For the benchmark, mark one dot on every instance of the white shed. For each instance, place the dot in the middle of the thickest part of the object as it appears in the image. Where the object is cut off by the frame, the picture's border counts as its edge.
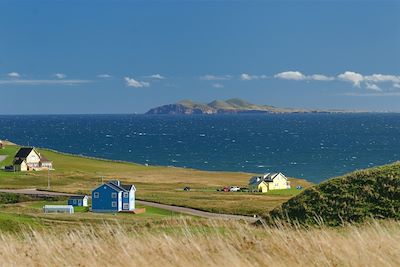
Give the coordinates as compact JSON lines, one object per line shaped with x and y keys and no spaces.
{"x":58,"y":209}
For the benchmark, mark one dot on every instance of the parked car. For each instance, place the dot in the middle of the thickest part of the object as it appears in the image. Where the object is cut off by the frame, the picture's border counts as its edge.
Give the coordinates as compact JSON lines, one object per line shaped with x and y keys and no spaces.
{"x":234,"y":189}
{"x":187,"y":188}
{"x":299,"y":187}
{"x":244,"y":189}
{"x":225,"y":189}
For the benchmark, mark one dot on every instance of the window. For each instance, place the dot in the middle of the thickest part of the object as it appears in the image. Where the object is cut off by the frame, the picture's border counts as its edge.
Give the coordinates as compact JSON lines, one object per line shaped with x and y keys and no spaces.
{"x":114,"y":204}
{"x":126,"y":206}
{"x":96,"y":195}
{"x":113,"y":195}
{"x":126,"y":194}
{"x":74,"y":201}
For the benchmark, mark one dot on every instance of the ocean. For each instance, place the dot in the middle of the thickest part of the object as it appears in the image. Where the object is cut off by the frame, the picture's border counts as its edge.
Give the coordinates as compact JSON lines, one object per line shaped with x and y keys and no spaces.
{"x":310,"y":146}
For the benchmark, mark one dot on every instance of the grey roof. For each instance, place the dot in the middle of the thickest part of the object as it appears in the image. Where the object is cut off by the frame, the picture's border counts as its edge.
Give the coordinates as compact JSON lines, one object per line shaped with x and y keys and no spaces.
{"x":18,"y":161}
{"x":77,"y":197}
{"x":23,"y":152}
{"x":119,"y":188}
{"x":127,"y":187}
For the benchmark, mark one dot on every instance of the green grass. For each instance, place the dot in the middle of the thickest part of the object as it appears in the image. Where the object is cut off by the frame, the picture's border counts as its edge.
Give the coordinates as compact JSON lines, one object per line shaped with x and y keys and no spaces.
{"x":355,"y":197}
{"x":76,"y":174}
{"x":17,"y":222}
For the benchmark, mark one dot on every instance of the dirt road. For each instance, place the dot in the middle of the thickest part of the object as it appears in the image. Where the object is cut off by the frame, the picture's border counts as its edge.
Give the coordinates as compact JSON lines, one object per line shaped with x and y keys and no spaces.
{"x":189,"y":211}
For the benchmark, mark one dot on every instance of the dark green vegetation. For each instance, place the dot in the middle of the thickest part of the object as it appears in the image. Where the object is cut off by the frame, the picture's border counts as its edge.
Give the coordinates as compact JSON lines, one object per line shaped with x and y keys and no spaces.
{"x":7,"y":198}
{"x":355,"y":197}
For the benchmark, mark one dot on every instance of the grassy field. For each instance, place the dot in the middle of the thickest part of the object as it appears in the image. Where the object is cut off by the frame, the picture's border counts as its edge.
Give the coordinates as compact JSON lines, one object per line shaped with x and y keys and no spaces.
{"x":154,"y":183}
{"x":188,"y":242}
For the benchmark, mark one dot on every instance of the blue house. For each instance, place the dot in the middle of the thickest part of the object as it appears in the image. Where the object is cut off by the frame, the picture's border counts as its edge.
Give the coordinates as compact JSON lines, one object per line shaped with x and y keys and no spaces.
{"x":80,"y":201}
{"x":113,"y":197}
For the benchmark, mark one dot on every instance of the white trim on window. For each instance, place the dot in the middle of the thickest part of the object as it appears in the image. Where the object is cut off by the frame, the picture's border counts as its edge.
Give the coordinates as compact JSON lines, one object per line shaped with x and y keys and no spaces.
{"x":96,"y":195}
{"x":114,"y":204}
{"x":126,"y":194}
{"x":114,"y":195}
{"x":125,"y":206}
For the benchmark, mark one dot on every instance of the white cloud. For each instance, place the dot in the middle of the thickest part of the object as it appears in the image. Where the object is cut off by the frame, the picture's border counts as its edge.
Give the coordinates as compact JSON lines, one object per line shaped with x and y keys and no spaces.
{"x":43,"y":82}
{"x":373,"y":87}
{"x":217,"y":85}
{"x":396,"y":85}
{"x":353,"y":77}
{"x":373,"y":94}
{"x":298,"y":76}
{"x":290,"y":75}
{"x":245,"y":77}
{"x":14,"y":74}
{"x":320,"y":77}
{"x":60,"y":75}
{"x":157,"y":76}
{"x":382,"y":78}
{"x":130,"y":82}
{"x":248,"y":77}
{"x":104,"y":76}
{"x":210,"y":77}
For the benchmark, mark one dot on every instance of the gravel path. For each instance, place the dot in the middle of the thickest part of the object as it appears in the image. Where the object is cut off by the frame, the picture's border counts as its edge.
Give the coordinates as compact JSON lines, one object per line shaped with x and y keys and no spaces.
{"x":183,"y":210}
{"x":195,"y":212}
{"x":2,"y":157}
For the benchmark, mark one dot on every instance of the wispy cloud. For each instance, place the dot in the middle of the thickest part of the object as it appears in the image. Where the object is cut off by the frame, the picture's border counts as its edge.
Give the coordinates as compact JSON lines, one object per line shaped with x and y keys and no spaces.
{"x":60,"y":75}
{"x":14,"y":74}
{"x":248,"y":77}
{"x":373,"y":87}
{"x":104,"y":76}
{"x":298,"y":76}
{"x":217,"y":85}
{"x":43,"y":82}
{"x":157,"y":76}
{"x":131,"y":82}
{"x":387,"y":94}
{"x":382,"y":78}
{"x":320,"y":77}
{"x":210,"y":77}
{"x":370,"y":80}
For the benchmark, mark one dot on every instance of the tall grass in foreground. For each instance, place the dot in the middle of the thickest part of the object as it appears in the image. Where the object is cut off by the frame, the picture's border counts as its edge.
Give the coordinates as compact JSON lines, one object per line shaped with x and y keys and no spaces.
{"x":217,"y":243}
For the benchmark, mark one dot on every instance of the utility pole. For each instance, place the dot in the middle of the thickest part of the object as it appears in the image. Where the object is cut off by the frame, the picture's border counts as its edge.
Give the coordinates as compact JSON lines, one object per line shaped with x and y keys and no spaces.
{"x":48,"y":179}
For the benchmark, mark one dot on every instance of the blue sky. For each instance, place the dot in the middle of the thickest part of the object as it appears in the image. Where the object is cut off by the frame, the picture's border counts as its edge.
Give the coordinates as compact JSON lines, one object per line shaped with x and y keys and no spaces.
{"x":128,"y":56}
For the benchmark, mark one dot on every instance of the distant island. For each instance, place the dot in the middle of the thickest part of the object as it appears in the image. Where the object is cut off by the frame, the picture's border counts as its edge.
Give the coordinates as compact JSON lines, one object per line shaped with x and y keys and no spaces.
{"x":230,"y":106}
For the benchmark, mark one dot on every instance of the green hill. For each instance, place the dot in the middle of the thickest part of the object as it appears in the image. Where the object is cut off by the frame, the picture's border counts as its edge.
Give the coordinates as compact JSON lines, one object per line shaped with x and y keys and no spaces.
{"x":355,"y":197}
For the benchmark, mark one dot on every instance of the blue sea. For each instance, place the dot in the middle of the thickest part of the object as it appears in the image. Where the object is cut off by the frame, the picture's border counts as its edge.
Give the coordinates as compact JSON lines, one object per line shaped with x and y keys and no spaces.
{"x":310,"y":146}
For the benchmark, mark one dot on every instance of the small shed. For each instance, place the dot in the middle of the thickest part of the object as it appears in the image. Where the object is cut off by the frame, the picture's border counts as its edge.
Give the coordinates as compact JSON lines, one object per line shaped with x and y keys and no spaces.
{"x":80,"y":201}
{"x":58,"y":209}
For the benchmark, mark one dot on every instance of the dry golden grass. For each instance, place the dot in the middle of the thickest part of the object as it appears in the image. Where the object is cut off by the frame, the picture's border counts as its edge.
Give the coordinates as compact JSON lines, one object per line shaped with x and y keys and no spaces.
{"x":196,"y":243}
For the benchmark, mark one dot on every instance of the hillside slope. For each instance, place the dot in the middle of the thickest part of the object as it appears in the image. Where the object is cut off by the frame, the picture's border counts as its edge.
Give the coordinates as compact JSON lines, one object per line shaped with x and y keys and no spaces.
{"x":370,"y":193}
{"x":230,"y":106}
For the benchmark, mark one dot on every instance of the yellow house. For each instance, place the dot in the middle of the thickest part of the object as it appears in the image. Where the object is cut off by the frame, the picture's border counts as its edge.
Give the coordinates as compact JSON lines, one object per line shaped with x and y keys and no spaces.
{"x":269,"y":181}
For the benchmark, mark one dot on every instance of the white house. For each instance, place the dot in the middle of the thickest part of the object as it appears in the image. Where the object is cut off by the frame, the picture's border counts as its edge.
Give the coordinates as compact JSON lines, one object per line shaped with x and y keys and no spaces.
{"x":28,"y":158}
{"x":268,"y":181}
